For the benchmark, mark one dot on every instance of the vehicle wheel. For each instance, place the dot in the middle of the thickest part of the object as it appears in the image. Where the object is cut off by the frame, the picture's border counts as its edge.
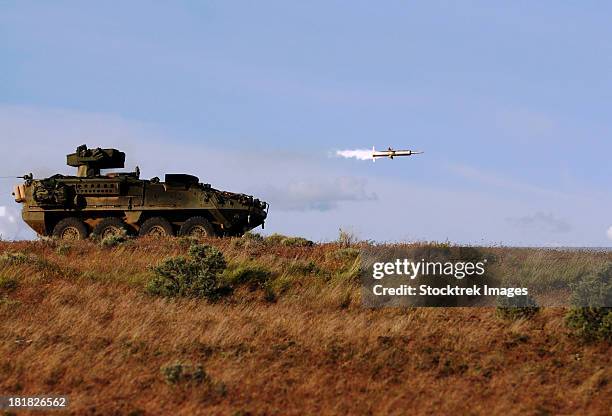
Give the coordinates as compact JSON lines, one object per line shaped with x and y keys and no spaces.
{"x":70,"y":229}
{"x":197,"y":227}
{"x":156,"y":227}
{"x":109,"y":226}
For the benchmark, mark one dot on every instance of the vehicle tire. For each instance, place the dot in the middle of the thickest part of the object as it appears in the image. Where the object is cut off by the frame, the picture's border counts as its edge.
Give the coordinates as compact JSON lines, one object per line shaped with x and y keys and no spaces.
{"x":197,"y":227}
{"x":70,"y":229}
{"x":109,"y":226}
{"x":156,"y":227}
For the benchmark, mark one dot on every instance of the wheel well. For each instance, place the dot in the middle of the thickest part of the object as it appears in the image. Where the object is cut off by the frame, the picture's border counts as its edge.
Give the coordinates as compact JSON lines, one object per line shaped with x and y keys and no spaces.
{"x":90,"y":220}
{"x":52,"y":218}
{"x":176,"y":218}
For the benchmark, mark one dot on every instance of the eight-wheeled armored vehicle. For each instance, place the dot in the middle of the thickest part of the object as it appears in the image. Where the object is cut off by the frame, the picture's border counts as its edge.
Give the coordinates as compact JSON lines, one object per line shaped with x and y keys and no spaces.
{"x":98,"y":205}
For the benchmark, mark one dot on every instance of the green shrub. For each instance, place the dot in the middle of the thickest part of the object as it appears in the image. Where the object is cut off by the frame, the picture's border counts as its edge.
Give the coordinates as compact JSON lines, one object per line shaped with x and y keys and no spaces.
{"x":248,"y":240}
{"x":196,"y":275}
{"x":591,"y":316}
{"x":269,"y":293}
{"x":16,"y":258}
{"x":8,"y":284}
{"x":63,"y":249}
{"x":186,"y":241}
{"x":591,"y":324}
{"x":256,"y":277}
{"x":593,"y":289}
{"x":350,"y":272}
{"x":237,"y":242}
{"x":114,"y":240}
{"x":43,"y":265}
{"x":296,"y":242}
{"x":178,"y":373}
{"x":283,"y":240}
{"x":297,"y":267}
{"x":274,"y":239}
{"x":518,"y":307}
{"x":253,"y":236}
{"x":8,"y":303}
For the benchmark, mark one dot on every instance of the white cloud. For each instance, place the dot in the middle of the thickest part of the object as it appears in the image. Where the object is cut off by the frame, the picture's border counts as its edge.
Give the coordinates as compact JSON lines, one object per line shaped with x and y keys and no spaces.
{"x":10,"y":226}
{"x":545,"y":222}
{"x":609,"y":233}
{"x":319,"y":195}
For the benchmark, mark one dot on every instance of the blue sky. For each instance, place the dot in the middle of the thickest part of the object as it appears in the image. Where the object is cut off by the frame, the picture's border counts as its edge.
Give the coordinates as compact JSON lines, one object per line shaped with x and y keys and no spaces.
{"x":510,"y":102}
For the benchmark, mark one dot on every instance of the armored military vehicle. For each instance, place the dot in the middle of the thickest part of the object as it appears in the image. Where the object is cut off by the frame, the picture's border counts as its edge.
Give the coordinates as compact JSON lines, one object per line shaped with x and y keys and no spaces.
{"x":96,"y":204}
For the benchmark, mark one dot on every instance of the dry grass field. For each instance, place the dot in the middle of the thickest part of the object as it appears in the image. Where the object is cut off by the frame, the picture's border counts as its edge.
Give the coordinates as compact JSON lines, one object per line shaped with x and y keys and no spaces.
{"x":76,"y":320}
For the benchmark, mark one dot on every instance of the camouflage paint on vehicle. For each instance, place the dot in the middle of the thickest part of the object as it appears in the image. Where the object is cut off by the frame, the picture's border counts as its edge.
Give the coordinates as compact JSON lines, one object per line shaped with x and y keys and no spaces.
{"x":74,"y":207}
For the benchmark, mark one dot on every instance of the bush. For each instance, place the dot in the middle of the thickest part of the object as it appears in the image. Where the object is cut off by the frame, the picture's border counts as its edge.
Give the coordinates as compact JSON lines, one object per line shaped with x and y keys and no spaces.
{"x":283,"y":240}
{"x":518,"y":307}
{"x":114,"y":240}
{"x":297,"y":267}
{"x":40,"y":264}
{"x":296,"y":242}
{"x":196,"y":275}
{"x":256,"y":277}
{"x":185,"y":242}
{"x":270,"y":294}
{"x":184,"y":373}
{"x":274,"y":239}
{"x":63,"y":249}
{"x":350,"y":272}
{"x":8,"y":284}
{"x":594,"y":289}
{"x":253,"y":237}
{"x":16,"y":258}
{"x":248,"y":240}
{"x":591,"y":316}
{"x":591,"y":324}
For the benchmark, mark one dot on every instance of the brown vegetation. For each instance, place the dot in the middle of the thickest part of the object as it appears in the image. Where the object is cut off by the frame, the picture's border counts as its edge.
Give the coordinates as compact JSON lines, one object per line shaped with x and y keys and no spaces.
{"x":77,"y":320}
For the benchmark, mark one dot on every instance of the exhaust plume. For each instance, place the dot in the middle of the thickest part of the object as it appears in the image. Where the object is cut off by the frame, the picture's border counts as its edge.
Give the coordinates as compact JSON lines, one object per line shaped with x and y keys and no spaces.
{"x":360,"y":154}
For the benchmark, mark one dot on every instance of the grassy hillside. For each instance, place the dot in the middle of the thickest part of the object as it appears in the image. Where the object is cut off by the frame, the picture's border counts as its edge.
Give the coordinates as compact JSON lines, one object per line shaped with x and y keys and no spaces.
{"x":293,"y":338}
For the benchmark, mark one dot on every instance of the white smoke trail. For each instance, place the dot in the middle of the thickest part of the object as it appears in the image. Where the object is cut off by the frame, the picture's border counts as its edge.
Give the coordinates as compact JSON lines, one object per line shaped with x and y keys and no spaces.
{"x":360,"y":154}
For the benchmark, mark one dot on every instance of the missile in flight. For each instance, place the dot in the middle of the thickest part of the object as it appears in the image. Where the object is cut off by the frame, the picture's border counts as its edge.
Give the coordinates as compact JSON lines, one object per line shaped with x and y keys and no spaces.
{"x":391,"y":153}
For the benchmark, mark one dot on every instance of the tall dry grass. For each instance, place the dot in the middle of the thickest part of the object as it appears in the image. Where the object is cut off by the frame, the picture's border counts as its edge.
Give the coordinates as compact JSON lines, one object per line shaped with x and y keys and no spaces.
{"x":78,"y":322}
